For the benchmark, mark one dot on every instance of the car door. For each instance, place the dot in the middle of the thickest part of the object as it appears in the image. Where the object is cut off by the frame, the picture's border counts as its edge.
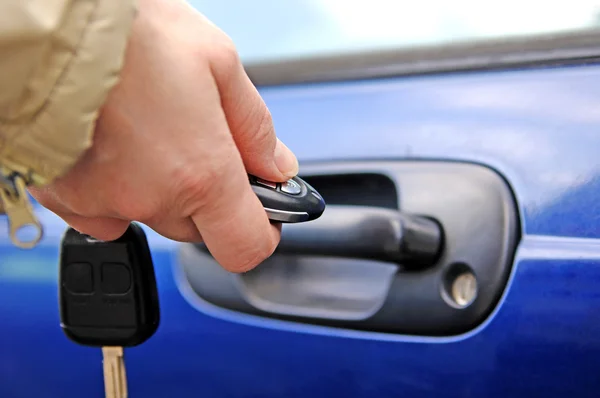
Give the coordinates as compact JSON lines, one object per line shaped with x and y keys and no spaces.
{"x":459,"y":254}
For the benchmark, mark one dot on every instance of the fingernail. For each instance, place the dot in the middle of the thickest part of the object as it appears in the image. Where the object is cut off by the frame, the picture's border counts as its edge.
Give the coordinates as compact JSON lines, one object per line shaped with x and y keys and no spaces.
{"x":285,"y":160}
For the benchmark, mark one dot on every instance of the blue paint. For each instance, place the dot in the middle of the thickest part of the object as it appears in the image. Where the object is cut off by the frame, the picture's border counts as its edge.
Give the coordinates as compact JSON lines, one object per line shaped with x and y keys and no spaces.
{"x":539,"y":128}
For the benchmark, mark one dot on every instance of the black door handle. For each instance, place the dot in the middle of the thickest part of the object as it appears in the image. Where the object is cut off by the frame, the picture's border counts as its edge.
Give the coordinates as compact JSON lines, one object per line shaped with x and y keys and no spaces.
{"x":411,"y":247}
{"x":364,"y":232}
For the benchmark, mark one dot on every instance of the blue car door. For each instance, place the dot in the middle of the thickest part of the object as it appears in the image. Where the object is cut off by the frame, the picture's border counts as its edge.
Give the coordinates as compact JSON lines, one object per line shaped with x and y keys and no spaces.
{"x":459,"y":254}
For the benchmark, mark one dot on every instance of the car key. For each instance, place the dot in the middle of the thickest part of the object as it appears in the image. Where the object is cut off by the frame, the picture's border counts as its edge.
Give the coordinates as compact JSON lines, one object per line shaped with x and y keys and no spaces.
{"x":292,"y":201}
{"x":108,"y":297}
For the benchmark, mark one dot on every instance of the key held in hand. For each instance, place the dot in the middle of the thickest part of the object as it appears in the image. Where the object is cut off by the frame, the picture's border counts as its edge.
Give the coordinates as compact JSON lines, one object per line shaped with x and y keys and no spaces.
{"x":107,"y":290}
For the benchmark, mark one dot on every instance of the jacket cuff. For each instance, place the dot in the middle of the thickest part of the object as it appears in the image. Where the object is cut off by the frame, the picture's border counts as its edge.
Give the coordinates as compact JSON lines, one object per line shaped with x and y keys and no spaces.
{"x":83,"y":64}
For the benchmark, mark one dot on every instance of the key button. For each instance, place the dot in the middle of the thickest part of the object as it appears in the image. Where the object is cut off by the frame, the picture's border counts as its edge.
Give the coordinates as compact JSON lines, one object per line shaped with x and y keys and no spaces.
{"x":78,"y":278}
{"x":266,"y":183}
{"x":116,"y":278}
{"x":291,"y":187}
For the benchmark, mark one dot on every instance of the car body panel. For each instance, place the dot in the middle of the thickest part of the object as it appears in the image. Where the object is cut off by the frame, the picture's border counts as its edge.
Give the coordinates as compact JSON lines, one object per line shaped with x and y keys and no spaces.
{"x":538,"y":127}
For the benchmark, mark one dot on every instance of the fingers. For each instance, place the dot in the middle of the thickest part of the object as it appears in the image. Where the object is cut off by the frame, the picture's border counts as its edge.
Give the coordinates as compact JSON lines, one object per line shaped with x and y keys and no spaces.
{"x":235,"y":229}
{"x":101,"y":228}
{"x":180,"y":230}
{"x":229,"y":216}
{"x":251,"y":124}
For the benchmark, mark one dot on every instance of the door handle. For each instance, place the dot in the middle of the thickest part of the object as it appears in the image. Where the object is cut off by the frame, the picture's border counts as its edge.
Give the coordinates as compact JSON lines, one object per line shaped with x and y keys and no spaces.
{"x":418,"y":247}
{"x":369,"y":233}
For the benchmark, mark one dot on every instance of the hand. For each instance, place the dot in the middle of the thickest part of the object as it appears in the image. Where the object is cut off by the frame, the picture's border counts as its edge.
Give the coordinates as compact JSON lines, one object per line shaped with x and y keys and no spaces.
{"x":174,"y":142}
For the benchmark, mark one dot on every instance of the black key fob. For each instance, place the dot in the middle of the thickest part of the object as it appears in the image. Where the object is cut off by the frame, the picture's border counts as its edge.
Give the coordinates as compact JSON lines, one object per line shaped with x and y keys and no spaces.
{"x":293,"y":201}
{"x":107,"y":290}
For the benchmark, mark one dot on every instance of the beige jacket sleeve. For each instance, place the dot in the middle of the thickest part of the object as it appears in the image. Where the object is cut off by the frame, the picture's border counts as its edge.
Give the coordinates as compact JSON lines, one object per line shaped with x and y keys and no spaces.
{"x":58,"y":61}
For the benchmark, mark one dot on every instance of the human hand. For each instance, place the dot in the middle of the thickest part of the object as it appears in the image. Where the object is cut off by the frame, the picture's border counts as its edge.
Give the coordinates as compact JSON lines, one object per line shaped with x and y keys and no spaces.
{"x":174,"y":143}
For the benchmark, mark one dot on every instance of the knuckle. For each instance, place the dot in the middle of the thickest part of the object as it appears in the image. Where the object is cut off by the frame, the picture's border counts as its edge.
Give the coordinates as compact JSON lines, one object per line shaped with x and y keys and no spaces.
{"x":257,"y":128}
{"x":265,"y":132}
{"x":225,"y":56}
{"x":229,"y":51}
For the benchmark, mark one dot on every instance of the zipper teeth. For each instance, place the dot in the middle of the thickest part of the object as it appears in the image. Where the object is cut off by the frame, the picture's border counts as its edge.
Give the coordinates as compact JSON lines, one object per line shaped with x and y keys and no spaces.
{"x":8,"y":187}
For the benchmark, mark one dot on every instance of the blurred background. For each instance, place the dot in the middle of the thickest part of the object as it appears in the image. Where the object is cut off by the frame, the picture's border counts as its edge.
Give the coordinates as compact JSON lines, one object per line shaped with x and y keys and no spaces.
{"x":273,"y":29}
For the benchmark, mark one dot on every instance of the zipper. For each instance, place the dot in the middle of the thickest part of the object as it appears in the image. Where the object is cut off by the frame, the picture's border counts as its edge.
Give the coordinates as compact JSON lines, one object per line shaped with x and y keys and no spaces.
{"x":17,"y":206}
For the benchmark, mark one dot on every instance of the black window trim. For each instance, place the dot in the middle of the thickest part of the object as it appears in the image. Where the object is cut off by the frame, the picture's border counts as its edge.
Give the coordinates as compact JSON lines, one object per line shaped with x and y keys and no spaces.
{"x":490,"y":54}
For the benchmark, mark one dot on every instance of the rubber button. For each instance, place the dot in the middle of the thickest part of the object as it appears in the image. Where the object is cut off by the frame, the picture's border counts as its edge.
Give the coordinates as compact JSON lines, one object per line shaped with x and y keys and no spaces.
{"x":116,"y":278}
{"x":291,"y":187}
{"x":79,"y":278}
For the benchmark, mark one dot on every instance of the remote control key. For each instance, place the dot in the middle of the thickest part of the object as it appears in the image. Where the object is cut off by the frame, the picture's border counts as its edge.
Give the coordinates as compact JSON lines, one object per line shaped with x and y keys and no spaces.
{"x":108,"y":297}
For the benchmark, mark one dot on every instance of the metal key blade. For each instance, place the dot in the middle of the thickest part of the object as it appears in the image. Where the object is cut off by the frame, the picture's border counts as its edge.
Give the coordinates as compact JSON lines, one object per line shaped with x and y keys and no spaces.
{"x":115,"y":380}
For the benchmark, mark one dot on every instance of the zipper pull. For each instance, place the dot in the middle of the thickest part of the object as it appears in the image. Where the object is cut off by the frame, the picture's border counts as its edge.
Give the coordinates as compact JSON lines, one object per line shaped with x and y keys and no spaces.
{"x":18,"y":209}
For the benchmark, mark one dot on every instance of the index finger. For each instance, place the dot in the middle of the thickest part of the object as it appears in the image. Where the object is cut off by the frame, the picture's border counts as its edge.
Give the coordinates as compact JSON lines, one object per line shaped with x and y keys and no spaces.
{"x":230,"y":218}
{"x":251,"y":124}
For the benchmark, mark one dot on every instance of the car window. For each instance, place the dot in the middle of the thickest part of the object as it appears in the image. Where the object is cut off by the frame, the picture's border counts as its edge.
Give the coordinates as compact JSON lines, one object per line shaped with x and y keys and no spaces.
{"x":282,"y":29}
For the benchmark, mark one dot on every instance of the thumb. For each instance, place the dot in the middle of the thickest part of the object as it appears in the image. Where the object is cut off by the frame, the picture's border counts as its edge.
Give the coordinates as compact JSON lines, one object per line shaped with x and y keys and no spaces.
{"x":251,"y":125}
